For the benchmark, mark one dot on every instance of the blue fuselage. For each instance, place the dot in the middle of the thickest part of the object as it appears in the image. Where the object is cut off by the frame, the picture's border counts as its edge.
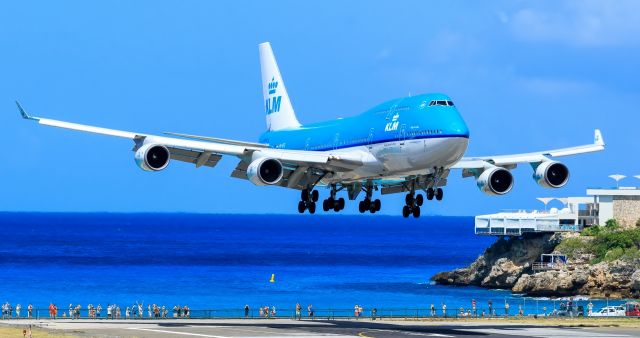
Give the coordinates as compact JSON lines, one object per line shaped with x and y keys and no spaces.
{"x":409,"y":118}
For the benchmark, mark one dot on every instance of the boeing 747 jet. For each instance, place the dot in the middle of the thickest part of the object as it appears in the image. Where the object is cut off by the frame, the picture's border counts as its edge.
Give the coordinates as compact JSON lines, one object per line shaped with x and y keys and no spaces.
{"x":407,"y":145}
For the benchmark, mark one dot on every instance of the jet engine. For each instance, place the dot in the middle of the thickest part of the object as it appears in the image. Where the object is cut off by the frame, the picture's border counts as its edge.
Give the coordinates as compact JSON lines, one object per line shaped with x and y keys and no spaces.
{"x":551,"y":174}
{"x":265,"y":171}
{"x":152,"y":157}
{"x":495,"y":181}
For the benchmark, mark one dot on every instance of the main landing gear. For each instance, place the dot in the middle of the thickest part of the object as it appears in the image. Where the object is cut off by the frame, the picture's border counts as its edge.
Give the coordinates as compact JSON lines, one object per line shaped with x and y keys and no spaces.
{"x":333,"y":203}
{"x":367,"y":204}
{"x":308,"y":197}
{"x":413,"y":202}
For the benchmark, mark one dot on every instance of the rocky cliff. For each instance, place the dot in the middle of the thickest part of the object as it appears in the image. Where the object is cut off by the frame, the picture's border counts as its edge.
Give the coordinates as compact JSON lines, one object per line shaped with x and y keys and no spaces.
{"x":507,"y":265}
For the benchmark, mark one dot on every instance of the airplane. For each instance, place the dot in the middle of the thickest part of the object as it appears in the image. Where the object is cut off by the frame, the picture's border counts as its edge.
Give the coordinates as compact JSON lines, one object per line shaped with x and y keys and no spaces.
{"x":405,"y":145}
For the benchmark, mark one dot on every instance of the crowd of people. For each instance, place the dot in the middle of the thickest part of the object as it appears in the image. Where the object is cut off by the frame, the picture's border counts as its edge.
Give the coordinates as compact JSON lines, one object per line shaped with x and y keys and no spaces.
{"x":270,"y":312}
{"x":113,"y":311}
{"x":7,"y":311}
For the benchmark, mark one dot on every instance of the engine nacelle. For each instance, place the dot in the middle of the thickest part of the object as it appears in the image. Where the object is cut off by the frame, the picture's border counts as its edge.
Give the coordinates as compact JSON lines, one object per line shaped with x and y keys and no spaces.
{"x":152,"y":157}
{"x":265,"y":171}
{"x":551,"y":174}
{"x":495,"y":181}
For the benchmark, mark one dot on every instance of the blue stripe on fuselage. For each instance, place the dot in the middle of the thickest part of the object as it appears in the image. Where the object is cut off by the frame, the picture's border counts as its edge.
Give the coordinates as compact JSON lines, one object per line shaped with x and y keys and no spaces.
{"x":406,"y":118}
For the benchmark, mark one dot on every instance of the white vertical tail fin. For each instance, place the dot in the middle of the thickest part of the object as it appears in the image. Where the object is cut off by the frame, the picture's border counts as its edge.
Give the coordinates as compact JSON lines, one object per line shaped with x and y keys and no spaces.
{"x":280,"y":114}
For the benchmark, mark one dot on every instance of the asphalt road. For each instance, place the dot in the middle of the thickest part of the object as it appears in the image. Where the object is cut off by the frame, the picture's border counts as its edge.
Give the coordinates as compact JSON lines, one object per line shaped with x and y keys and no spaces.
{"x":337,"y":328}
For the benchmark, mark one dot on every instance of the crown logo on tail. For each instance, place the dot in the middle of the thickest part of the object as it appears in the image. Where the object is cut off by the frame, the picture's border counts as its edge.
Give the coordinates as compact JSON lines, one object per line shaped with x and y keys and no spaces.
{"x":273,"y":85}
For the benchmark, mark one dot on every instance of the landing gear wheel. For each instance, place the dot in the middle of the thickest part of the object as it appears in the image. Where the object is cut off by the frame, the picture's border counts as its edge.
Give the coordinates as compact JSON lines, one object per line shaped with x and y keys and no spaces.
{"x":409,"y":199}
{"x":416,"y":212}
{"x":439,"y":194}
{"x":325,"y":205}
{"x":315,"y":195}
{"x":304,"y":195}
{"x":361,"y":207}
{"x":430,"y":194}
{"x":377,"y":204}
{"x":373,"y":209}
{"x":367,"y":204}
{"x":312,"y":207}
{"x":301,"y":207}
{"x":340,"y":202}
{"x":406,"y":211}
{"x":419,"y":200}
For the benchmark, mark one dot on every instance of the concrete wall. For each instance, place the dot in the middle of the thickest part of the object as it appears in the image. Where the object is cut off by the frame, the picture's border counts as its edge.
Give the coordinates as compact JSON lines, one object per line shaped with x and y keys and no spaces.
{"x":605,"y":207}
{"x":626,"y":209}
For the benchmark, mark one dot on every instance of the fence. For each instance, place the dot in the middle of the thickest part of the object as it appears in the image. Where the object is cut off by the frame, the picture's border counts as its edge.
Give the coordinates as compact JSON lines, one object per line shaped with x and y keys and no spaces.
{"x":318,"y":314}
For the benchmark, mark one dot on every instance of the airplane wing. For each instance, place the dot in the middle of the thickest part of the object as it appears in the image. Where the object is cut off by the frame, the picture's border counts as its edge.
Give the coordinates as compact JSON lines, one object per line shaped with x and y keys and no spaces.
{"x":511,"y":161}
{"x":301,"y":167}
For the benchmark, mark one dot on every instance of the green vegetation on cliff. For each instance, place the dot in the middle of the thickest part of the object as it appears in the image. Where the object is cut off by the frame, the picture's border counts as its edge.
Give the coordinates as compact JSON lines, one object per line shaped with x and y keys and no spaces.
{"x":607,"y":243}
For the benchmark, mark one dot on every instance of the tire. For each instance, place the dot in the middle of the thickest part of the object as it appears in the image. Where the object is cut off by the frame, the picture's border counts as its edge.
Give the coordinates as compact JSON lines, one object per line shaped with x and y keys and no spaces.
{"x":331,"y":203}
{"x":315,"y":195}
{"x":372,"y":210}
{"x":430,"y":194}
{"x":367,"y":204}
{"x":301,"y":207}
{"x":419,"y":200}
{"x":439,"y":194}
{"x":325,"y":205}
{"x":377,"y":204}
{"x":406,"y":211}
{"x":304,"y":195}
{"x":408,"y":199}
{"x":341,"y":203}
{"x":416,"y":212}
{"x":361,"y":207}
{"x":312,"y":207}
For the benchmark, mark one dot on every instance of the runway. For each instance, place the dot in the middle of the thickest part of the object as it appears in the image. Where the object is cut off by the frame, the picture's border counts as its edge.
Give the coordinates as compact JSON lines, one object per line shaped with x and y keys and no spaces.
{"x":336,"y":328}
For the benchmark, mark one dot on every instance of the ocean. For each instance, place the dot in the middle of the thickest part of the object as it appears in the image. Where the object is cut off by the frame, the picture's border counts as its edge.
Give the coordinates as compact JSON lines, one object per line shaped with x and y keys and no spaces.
{"x":222,"y":262}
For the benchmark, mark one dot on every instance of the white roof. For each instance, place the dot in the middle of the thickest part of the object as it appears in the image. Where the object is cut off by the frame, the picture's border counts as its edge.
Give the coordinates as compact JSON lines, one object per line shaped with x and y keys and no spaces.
{"x":627,"y":191}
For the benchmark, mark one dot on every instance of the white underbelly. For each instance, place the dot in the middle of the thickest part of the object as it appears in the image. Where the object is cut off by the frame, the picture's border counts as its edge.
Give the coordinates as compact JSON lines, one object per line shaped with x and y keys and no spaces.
{"x":410,"y":157}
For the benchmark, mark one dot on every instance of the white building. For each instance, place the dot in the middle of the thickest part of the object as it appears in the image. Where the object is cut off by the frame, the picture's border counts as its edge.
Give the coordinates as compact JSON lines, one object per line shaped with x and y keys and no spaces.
{"x":621,"y":203}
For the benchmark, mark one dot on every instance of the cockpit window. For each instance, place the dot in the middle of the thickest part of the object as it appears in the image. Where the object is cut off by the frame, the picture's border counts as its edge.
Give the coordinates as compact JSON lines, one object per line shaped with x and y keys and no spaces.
{"x":441,"y":103}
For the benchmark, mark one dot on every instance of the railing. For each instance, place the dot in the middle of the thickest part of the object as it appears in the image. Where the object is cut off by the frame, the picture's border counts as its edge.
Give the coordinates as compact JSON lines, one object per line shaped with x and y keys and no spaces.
{"x":319,"y":314}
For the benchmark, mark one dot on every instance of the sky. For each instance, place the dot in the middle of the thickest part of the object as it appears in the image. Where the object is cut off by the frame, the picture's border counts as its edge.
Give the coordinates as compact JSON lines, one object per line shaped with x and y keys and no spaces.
{"x":525,"y":76}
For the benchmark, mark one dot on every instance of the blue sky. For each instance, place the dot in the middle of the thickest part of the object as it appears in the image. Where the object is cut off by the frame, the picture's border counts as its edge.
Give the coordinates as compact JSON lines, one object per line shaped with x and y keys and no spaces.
{"x":525,"y":75}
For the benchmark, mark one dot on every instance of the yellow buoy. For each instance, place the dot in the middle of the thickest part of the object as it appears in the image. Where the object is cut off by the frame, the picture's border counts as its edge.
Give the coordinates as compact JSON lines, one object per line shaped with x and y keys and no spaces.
{"x":273,"y":278}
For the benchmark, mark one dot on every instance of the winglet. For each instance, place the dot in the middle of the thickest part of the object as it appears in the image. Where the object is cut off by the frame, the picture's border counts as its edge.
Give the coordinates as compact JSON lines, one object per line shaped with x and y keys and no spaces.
{"x":597,"y":138}
{"x":24,"y":113}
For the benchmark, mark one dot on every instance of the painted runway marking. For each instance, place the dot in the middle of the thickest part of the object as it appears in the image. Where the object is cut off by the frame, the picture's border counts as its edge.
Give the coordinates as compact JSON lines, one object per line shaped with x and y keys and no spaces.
{"x":178,"y":333}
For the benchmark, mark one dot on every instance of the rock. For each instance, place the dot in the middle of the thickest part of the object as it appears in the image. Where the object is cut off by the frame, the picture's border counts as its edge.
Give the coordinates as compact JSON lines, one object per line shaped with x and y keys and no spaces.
{"x":507,"y":265}
{"x":503,"y":262}
{"x":635,"y":281}
{"x":504,"y":274}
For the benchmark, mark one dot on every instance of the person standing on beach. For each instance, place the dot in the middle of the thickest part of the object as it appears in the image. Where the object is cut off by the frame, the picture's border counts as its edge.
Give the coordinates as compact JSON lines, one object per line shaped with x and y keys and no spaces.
{"x":140,"y":312}
{"x":490,"y":308}
{"x":474,"y":308}
{"x":30,"y":311}
{"x":506,"y":308}
{"x":310,"y":310}
{"x":18,"y":308}
{"x":433,"y":310}
{"x":298,"y":311}
{"x":246,"y":311}
{"x":98,"y":310}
